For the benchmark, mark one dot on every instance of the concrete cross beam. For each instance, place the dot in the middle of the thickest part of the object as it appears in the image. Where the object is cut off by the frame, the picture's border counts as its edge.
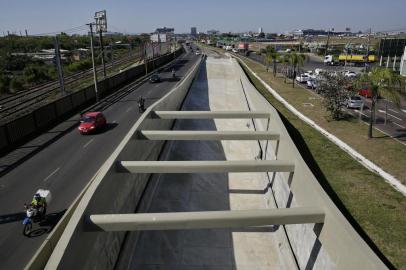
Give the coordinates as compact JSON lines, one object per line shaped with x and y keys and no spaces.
{"x":207,"y":219}
{"x":218,"y":166}
{"x":210,"y":114}
{"x":206,"y":135}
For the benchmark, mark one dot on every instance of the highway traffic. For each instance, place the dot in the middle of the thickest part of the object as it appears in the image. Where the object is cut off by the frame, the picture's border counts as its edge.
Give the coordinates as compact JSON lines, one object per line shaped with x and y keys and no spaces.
{"x":66,"y":166}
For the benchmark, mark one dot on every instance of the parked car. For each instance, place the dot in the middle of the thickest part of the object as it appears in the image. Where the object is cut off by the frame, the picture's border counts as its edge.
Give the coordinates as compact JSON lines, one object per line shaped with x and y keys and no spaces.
{"x":312,"y":83}
{"x":91,"y":122}
{"x":350,"y":74}
{"x":354,"y":102}
{"x":365,"y":90}
{"x":302,"y":78}
{"x":155,"y":78}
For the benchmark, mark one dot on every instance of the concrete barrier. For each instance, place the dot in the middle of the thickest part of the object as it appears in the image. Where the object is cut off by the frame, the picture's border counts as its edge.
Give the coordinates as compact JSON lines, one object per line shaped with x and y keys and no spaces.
{"x":332,"y":245}
{"x":100,"y":250}
{"x":21,"y":128}
{"x":45,"y":115}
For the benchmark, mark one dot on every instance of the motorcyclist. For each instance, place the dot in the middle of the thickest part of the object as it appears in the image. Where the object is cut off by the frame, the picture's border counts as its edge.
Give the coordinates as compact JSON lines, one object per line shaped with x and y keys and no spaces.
{"x":39,"y":203}
{"x":141,"y":104}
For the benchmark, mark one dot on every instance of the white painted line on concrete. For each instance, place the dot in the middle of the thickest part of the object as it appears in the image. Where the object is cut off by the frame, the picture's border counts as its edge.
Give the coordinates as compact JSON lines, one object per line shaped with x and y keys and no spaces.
{"x":398,"y":125}
{"x":382,"y":111}
{"x":390,"y":179}
{"x":89,"y":142}
{"x":49,"y":176}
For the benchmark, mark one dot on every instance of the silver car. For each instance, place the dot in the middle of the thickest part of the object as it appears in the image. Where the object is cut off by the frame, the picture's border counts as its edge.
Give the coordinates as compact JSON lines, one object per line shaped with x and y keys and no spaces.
{"x":355,"y":102}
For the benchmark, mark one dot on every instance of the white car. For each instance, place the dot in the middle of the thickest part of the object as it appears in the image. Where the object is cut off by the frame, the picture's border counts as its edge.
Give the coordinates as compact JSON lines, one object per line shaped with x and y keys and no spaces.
{"x":302,"y":78}
{"x":235,"y":50}
{"x":354,"y":102}
{"x":311,"y":83}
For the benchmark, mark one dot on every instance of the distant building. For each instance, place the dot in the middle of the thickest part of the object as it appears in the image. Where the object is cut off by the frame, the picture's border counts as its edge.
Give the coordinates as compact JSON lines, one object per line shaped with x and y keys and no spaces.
{"x":213,"y":32}
{"x":160,"y":37}
{"x":165,"y":30}
{"x":260,"y":30}
{"x":403,"y":64}
{"x":193,"y":31}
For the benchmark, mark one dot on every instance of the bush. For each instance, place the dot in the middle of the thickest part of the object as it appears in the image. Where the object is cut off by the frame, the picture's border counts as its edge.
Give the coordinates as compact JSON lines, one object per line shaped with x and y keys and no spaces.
{"x":16,"y":84}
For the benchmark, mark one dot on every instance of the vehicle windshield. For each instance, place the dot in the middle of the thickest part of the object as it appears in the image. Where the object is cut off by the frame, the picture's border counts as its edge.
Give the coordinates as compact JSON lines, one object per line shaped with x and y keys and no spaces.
{"x":88,"y":119}
{"x":356,"y":98}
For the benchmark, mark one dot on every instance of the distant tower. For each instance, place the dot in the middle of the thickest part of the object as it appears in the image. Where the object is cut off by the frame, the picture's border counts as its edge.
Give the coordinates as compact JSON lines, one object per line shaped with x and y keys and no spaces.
{"x":260,"y":30}
{"x":193,"y":31}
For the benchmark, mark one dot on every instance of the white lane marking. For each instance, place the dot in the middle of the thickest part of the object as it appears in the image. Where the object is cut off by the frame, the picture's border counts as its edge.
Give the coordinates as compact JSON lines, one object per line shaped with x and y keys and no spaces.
{"x":393,"y":111}
{"x":89,"y":142}
{"x":382,"y":111}
{"x":398,"y":125}
{"x":49,"y":176}
{"x":129,"y":109}
{"x":403,"y":111}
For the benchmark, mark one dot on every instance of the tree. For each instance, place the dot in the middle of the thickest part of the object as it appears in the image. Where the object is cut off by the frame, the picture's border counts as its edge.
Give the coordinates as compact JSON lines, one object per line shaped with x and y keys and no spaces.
{"x":272,"y":56}
{"x":384,"y":83}
{"x":295,"y":61}
{"x":16,"y":84}
{"x":334,"y":92}
{"x":285,"y":61}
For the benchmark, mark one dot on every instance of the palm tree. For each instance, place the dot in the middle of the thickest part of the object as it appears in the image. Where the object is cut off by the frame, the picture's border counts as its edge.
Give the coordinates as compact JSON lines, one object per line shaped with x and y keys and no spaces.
{"x":382,"y":82}
{"x":285,"y":60}
{"x":296,"y":60}
{"x":272,"y":56}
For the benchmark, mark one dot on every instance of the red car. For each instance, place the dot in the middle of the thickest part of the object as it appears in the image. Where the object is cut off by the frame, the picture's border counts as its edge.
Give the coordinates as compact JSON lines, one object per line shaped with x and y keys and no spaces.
{"x":91,"y":122}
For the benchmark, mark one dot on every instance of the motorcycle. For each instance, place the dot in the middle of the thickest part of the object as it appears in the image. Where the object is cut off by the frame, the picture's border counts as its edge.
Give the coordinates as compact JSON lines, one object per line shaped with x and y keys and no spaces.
{"x":33,"y":215}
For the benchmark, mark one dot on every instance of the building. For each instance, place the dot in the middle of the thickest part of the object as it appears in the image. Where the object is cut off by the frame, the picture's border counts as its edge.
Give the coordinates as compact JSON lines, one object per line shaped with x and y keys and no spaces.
{"x":193,"y":31}
{"x":156,"y":37}
{"x":165,"y":30}
{"x":260,"y":30}
{"x":213,"y":32}
{"x":403,"y":64}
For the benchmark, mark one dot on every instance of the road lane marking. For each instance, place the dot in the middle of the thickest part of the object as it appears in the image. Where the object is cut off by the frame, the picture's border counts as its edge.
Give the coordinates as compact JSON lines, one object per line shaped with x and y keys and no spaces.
{"x":398,"y":125}
{"x":403,"y":111}
{"x":382,"y":111}
{"x":89,"y":142}
{"x":49,"y":176}
{"x":129,"y":109}
{"x":393,"y":111}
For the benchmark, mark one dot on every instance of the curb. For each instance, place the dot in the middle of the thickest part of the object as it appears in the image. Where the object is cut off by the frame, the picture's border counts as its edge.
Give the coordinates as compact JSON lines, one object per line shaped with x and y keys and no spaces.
{"x":390,"y":179}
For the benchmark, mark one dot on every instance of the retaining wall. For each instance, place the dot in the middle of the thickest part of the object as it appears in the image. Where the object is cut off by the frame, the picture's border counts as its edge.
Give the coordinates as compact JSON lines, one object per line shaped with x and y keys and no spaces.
{"x":114,"y":192}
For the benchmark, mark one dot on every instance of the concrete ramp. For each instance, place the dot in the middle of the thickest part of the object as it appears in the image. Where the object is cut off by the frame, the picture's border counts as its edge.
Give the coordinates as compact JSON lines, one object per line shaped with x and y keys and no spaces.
{"x":209,"y":179}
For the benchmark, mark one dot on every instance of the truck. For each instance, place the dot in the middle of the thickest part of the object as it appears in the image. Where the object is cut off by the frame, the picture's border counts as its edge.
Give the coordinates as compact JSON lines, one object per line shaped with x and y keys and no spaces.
{"x":354,"y":59}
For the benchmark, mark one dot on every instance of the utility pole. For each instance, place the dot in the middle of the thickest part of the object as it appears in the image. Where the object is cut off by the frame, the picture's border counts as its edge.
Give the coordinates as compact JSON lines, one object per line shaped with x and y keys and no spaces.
{"x":59,"y":66}
{"x":102,"y":52}
{"x":101,"y":26}
{"x":26,"y":33}
{"x":367,"y":56}
{"x":94,"y":67}
{"x":328,"y":39}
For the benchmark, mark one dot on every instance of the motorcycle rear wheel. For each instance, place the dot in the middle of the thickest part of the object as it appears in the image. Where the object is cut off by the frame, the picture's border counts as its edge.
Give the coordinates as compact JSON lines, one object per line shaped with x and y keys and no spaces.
{"x":27,"y":229}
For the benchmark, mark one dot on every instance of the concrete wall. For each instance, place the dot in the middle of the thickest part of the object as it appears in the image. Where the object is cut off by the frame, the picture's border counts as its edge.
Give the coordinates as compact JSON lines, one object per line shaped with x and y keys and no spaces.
{"x":334,"y":245}
{"x":114,"y":192}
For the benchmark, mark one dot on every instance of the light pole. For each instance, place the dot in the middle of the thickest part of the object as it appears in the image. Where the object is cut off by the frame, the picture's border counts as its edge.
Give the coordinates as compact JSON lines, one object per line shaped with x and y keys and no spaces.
{"x":93,"y":63}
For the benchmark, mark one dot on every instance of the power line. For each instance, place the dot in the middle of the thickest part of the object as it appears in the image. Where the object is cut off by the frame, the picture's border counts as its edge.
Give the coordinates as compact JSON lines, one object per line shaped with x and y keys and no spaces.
{"x":70,"y":30}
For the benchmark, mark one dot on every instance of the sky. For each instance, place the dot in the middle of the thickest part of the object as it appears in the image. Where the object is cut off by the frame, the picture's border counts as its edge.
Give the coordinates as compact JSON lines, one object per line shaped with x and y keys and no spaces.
{"x":134,"y":16}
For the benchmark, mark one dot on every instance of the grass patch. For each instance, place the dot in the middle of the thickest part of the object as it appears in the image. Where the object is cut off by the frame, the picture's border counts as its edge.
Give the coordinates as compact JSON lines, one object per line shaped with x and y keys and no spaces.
{"x":375,"y":209}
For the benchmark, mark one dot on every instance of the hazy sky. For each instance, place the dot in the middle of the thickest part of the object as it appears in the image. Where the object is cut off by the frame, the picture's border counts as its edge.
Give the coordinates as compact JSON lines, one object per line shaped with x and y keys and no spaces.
{"x":43,"y":16}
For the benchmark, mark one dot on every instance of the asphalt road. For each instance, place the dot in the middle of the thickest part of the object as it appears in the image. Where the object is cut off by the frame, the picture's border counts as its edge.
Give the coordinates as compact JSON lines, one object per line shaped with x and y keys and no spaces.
{"x":395,"y":125}
{"x":65,"y":167}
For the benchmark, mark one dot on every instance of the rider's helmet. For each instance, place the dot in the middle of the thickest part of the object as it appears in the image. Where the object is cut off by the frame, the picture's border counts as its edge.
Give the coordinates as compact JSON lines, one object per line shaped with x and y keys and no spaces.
{"x":37,"y":196}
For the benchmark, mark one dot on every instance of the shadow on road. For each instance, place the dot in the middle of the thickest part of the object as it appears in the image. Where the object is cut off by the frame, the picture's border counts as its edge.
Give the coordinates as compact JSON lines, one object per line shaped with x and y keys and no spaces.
{"x":8,"y":218}
{"x":47,"y":224}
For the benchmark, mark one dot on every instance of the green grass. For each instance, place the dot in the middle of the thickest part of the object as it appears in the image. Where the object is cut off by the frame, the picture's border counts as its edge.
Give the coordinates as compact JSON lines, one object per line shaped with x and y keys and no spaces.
{"x":375,"y":209}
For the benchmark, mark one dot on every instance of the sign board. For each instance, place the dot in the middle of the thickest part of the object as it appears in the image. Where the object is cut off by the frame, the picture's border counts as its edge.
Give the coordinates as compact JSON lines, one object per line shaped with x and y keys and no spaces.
{"x":101,"y":21}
